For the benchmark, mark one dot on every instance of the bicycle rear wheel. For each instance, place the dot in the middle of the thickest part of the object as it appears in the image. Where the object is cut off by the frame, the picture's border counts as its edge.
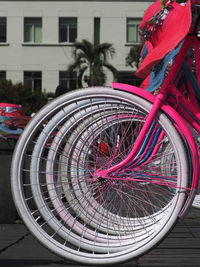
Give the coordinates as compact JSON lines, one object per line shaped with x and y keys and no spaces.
{"x":98,"y":220}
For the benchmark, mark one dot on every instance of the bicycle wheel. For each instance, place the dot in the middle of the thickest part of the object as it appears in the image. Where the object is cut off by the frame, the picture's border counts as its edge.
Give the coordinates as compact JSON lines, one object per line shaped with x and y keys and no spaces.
{"x":98,"y":220}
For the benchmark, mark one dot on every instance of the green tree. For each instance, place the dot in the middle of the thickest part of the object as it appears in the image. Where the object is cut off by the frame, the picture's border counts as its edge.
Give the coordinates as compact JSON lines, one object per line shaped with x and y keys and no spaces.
{"x":133,"y":57}
{"x":20,"y":94}
{"x":90,"y":62}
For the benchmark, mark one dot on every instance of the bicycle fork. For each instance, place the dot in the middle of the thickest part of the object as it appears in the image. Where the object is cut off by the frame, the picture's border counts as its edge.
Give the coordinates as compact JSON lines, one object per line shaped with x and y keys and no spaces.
{"x":160,"y":98}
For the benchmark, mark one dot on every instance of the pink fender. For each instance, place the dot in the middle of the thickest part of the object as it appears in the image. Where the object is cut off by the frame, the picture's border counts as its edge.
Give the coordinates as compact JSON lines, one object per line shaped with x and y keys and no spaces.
{"x":181,"y":126}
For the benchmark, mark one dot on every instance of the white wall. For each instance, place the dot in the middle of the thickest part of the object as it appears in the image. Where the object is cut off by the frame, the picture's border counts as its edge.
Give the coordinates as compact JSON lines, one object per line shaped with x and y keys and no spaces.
{"x":50,"y":57}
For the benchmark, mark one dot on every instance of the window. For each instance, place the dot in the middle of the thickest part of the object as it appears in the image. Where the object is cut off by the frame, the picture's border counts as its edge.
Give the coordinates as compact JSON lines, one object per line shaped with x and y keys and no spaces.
{"x":33,"y":79}
{"x":33,"y":30}
{"x":2,"y":75}
{"x":96,"y":31}
{"x":67,"y":30}
{"x":132,"y":30}
{"x":68,"y":81}
{"x":3,"y":37}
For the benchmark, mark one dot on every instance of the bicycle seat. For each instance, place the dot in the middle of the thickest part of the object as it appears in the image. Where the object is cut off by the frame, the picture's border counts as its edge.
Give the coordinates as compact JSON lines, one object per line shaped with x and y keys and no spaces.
{"x":163,"y":27}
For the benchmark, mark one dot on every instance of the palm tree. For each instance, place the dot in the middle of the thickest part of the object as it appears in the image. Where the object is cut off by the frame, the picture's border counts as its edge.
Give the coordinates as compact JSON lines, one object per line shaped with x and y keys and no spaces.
{"x":90,"y":62}
{"x":133,"y":56}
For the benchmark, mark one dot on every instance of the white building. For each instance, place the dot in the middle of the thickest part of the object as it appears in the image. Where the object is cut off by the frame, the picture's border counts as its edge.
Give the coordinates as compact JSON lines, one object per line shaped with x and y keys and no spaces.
{"x":36,"y":37}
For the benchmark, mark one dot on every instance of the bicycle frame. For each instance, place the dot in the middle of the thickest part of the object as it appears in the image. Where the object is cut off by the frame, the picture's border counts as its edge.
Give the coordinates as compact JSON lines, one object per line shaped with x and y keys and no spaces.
{"x":101,"y":175}
{"x":177,"y":109}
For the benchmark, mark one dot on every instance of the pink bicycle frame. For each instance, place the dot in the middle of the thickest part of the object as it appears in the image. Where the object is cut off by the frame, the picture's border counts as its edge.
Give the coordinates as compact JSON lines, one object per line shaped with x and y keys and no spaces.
{"x":176,"y":116}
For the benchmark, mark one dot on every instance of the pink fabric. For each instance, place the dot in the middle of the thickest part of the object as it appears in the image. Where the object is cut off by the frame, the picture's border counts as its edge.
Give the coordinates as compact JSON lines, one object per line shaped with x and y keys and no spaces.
{"x":167,"y":36}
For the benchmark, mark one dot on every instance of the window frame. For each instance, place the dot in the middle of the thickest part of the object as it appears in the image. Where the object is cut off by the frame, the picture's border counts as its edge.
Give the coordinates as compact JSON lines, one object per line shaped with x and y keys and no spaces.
{"x":3,"y":75}
{"x":68,"y":27}
{"x":33,"y":79}
{"x":131,"y":25}
{"x":4,"y":24}
{"x":33,"y":28}
{"x":67,"y":80}
{"x":97,"y":30}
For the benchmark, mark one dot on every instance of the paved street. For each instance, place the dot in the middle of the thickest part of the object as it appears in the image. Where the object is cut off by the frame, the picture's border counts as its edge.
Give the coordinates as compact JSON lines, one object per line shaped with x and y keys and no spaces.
{"x":180,"y":248}
{"x":19,"y":249}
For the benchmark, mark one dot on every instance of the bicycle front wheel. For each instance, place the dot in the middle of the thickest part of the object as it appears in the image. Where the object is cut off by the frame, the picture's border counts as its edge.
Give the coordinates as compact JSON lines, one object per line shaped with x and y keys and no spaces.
{"x":98,"y":220}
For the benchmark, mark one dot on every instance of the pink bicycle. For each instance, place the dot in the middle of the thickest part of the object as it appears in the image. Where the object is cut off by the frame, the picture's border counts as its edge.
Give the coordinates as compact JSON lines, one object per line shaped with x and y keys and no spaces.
{"x":101,"y":175}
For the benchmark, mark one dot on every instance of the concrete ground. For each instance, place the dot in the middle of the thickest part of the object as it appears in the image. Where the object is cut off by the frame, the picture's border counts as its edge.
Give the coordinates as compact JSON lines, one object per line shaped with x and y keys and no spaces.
{"x":180,"y":248}
{"x":19,"y":248}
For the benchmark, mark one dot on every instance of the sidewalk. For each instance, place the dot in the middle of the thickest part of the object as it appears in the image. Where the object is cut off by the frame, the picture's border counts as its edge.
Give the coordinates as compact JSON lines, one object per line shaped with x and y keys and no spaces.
{"x":180,"y":248}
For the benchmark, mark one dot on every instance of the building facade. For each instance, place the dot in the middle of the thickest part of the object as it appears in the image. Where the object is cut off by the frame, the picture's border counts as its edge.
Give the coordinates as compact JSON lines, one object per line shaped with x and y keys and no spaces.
{"x":37,"y":37}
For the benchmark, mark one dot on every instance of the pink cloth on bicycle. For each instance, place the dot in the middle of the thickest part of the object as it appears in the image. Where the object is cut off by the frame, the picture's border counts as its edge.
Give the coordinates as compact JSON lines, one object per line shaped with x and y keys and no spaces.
{"x":167,"y":36}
